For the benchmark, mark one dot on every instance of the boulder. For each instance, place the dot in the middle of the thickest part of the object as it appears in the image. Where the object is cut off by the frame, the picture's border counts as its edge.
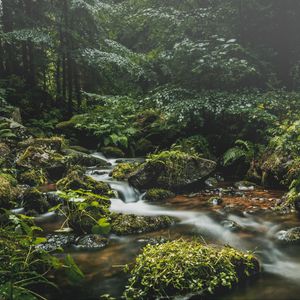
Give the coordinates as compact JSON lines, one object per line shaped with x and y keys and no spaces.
{"x":158,"y":195}
{"x":172,"y":170}
{"x":291,"y":236}
{"x":76,"y":179}
{"x":35,"y":202}
{"x":114,"y":152}
{"x":42,"y":158}
{"x":6,"y":193}
{"x":132,"y":224}
{"x":91,"y":242}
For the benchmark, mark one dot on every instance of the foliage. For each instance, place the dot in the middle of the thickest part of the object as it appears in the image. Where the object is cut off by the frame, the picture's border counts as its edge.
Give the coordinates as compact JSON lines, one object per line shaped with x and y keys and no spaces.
{"x":181,"y":267}
{"x":84,"y":212}
{"x":23,"y":265}
{"x":5,"y":131}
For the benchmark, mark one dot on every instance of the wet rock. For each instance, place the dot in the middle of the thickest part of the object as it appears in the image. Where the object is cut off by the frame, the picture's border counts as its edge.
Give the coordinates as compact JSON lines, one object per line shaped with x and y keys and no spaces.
{"x":291,"y":236}
{"x":158,"y":195}
{"x":215,"y":201}
{"x":171,"y":170}
{"x":35,"y":201}
{"x":231,"y":225}
{"x":53,"y":198}
{"x":153,"y":241}
{"x":244,"y":185}
{"x":113,"y":152}
{"x":211,"y":182}
{"x":54,"y":143}
{"x":132,"y":224}
{"x":57,"y":242}
{"x":79,"y":158}
{"x":76,"y":179}
{"x":124,"y":170}
{"x":91,"y":242}
{"x":297,"y":204}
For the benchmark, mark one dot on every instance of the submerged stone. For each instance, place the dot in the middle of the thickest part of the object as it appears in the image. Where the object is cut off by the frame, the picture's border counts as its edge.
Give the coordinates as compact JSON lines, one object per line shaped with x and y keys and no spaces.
{"x":91,"y":242}
{"x":291,"y":236}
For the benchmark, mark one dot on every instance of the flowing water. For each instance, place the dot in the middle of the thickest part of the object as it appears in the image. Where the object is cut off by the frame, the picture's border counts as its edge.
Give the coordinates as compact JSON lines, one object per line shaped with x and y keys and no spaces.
{"x":280,"y":278}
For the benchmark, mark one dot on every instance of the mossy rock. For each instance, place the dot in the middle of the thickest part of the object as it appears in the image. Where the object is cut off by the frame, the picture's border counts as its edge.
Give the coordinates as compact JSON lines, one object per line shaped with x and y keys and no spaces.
{"x":53,"y":143}
{"x":6,"y":157}
{"x":158,"y":195}
{"x":76,"y":180}
{"x":144,"y":147}
{"x":35,"y":201}
{"x":131,"y":224}
{"x":7,"y":193}
{"x":171,"y":170}
{"x":80,"y":149}
{"x":34,"y":177}
{"x":113,"y":152}
{"x":52,"y":162}
{"x":123,"y":170}
{"x":79,"y":158}
{"x":10,"y":178}
{"x":180,"y":267}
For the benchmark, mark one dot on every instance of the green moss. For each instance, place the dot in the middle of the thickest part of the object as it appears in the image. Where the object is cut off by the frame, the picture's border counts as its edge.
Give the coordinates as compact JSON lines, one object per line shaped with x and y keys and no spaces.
{"x":123,"y":170}
{"x":6,"y":193}
{"x":158,"y":195}
{"x":35,"y":201}
{"x":76,"y":179}
{"x":54,"y":143}
{"x":112,"y":152}
{"x":182,"y":267}
{"x":10,"y":178}
{"x":80,"y":149}
{"x":132,"y":224}
{"x":34,"y":177}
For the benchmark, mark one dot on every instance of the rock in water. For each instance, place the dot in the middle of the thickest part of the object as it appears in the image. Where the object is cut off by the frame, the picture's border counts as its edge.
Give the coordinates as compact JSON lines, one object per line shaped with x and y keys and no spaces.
{"x":291,"y":236}
{"x":171,"y":170}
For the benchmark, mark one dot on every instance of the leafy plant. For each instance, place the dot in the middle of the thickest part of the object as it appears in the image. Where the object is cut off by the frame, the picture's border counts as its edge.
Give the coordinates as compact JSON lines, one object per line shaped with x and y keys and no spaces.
{"x":5,"y":130}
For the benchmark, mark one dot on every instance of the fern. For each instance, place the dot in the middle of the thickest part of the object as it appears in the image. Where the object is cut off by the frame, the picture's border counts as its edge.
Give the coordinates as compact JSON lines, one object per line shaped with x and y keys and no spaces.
{"x":242,"y":150}
{"x":5,"y":131}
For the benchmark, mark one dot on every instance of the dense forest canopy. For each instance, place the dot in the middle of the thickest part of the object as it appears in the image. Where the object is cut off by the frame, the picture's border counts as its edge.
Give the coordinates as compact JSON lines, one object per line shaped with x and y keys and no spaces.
{"x":140,"y":131}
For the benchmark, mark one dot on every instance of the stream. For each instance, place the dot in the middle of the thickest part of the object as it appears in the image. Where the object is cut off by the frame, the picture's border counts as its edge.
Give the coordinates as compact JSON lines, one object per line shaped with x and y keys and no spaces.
{"x":280,"y":278}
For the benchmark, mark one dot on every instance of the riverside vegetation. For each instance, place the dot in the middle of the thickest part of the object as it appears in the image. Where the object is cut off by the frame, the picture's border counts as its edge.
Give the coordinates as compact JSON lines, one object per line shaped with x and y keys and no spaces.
{"x":200,"y":90}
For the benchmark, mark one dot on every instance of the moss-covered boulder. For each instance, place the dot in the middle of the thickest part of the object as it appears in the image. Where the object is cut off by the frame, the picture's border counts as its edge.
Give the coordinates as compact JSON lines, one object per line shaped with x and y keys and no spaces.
{"x":7,"y":193}
{"x":35,"y":202}
{"x":114,"y":152}
{"x":34,"y":177}
{"x":76,"y":180}
{"x":53,"y":143}
{"x":171,"y":170}
{"x":74,"y":157}
{"x":132,"y":224}
{"x":179,"y":268}
{"x":44,"y":158}
{"x":6,"y":156}
{"x":291,"y":236}
{"x":123,"y":170}
{"x":158,"y":195}
{"x":143,"y":147}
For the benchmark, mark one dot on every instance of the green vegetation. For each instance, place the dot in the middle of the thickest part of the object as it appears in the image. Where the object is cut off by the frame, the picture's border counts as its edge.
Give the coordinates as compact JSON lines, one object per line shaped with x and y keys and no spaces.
{"x":158,"y":195}
{"x":181,"y":267}
{"x":123,"y":170}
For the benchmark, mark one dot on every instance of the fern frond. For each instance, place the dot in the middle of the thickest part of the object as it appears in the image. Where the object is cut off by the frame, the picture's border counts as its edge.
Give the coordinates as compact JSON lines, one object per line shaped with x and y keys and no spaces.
{"x":232,"y":155}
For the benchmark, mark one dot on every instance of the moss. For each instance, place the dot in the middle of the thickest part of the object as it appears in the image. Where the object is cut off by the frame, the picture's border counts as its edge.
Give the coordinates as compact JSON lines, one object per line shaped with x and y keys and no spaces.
{"x":158,"y":195}
{"x":80,"y":149}
{"x":6,"y":193}
{"x":76,"y":179}
{"x":10,"y":178}
{"x":34,"y":177}
{"x":132,"y":224}
{"x":54,"y":143}
{"x":172,"y":170}
{"x":123,"y":170}
{"x":183,"y":267}
{"x":36,"y":201}
{"x":112,"y":152}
